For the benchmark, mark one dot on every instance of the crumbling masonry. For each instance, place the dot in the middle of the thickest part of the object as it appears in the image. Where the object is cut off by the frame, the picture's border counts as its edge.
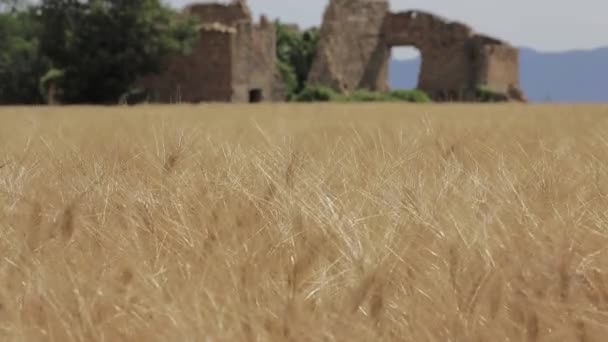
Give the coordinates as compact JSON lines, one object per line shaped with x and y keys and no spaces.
{"x":235,"y":59}
{"x":357,"y":36}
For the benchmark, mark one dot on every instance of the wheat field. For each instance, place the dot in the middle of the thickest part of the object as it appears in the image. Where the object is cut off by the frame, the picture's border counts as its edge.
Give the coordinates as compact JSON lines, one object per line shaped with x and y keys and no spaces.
{"x":304,"y":223}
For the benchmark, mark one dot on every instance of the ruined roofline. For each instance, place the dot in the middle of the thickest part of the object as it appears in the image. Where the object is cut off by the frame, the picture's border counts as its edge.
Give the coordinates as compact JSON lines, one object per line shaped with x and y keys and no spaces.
{"x":193,"y":6}
{"x":480,"y":37}
{"x":489,"y":40}
{"x":220,"y":9}
{"x":217,"y":27}
{"x":204,"y":9}
{"x":264,"y":22}
{"x":434,"y":17}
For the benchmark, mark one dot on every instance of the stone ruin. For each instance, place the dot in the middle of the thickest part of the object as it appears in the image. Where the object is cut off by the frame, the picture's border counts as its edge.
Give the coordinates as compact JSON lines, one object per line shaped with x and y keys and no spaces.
{"x":235,"y":59}
{"x":357,"y":37}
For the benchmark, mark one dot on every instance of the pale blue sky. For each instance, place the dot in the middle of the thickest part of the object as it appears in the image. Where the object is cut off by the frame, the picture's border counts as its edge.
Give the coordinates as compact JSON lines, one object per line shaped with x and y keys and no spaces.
{"x":546,"y":25}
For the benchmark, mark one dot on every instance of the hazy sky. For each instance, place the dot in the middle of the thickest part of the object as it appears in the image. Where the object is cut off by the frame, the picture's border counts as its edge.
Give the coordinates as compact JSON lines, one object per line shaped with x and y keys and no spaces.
{"x":547,"y":25}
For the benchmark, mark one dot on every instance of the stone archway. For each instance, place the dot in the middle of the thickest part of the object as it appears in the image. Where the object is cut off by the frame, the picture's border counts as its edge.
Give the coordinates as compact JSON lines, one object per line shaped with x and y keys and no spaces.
{"x":357,"y":35}
{"x":445,"y":65}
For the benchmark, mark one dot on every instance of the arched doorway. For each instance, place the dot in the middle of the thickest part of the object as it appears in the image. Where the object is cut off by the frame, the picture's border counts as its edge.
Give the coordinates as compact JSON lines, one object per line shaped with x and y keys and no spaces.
{"x":404,"y":67}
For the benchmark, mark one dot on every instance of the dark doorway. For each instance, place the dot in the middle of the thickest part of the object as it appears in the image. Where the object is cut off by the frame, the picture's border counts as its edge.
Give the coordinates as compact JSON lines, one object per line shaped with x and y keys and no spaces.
{"x":256,"y":95}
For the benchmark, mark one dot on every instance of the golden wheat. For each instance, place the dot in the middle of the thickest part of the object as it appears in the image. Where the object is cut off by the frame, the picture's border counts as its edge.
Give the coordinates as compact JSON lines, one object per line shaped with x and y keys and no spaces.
{"x":304,"y":223}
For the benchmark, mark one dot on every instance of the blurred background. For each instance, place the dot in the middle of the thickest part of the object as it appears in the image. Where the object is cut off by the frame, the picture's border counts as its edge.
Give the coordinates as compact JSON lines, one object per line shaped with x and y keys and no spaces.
{"x":96,"y":49}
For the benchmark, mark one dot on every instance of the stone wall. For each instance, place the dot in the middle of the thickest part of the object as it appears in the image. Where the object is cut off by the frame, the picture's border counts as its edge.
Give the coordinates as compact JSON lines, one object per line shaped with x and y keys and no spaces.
{"x":357,"y":37}
{"x":233,"y":58}
{"x":443,"y":48}
{"x":194,"y":79}
{"x":263,"y":59}
{"x":350,"y":45}
{"x":498,"y":65}
{"x":254,"y":61}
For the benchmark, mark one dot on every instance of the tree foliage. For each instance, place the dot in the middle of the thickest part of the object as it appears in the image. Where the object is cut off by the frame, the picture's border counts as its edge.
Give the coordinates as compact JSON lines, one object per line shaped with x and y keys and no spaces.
{"x":103,"y":46}
{"x":21,"y":63}
{"x":295,"y":54}
{"x":94,"y":50}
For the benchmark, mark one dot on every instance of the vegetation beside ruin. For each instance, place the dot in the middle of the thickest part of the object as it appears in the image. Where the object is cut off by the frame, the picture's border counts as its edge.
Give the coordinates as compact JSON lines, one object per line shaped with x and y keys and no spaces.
{"x":98,"y":47}
{"x":295,"y":54}
{"x":326,"y":94}
{"x":296,"y":51}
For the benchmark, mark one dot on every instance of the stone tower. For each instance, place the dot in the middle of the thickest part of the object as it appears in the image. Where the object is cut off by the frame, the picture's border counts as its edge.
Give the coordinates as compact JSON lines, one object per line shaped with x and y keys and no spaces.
{"x":350,"y":43}
{"x":233,"y":61}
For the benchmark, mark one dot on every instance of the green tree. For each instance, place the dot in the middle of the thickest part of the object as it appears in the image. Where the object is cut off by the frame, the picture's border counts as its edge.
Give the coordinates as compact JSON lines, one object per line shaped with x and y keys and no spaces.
{"x":103,"y":46}
{"x":21,"y":64}
{"x":295,"y":53}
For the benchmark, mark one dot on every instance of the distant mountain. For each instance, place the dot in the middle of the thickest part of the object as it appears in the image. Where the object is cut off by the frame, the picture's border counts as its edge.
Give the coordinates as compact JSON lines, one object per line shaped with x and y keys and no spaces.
{"x":572,"y":76}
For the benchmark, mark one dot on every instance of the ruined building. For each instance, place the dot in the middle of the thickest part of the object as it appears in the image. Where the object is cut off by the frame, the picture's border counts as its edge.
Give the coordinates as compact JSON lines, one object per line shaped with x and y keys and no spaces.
{"x":357,"y":37}
{"x":234,"y":60}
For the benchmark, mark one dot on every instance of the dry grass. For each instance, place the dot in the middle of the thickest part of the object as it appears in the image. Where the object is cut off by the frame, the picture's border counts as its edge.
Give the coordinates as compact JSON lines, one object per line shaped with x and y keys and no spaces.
{"x":304,"y":223}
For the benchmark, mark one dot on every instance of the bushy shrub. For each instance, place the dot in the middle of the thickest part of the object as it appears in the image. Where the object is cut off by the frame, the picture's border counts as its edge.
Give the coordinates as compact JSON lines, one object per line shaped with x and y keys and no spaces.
{"x":414,"y":95}
{"x":483,"y":94}
{"x":363,"y":95}
{"x":324,"y":94}
{"x":316,"y":94}
{"x":289,"y":77}
{"x":295,"y":54}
